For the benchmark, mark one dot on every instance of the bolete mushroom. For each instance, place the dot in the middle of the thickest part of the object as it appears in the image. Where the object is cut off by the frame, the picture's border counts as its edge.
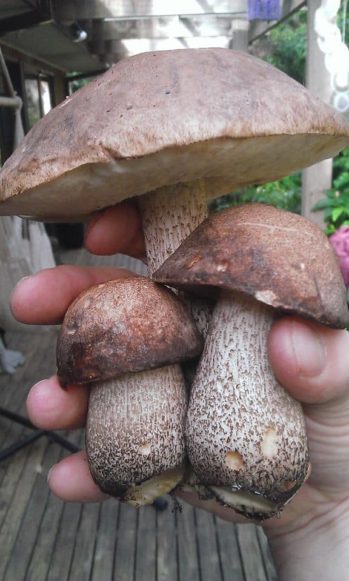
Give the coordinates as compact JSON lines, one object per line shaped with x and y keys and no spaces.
{"x":173,"y":128}
{"x":181,"y":126}
{"x":123,"y":337}
{"x":246,"y":438}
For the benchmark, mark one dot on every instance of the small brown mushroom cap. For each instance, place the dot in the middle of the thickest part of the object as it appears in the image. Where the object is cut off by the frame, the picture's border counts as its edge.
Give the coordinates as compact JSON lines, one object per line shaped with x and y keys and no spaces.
{"x":121,"y":326}
{"x":278,"y":257}
{"x":169,"y":117}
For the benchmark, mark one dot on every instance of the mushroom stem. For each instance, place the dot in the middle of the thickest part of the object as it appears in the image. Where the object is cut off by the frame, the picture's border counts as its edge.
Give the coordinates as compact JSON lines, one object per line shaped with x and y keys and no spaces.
{"x":169,"y":215}
{"x":246,"y":436}
{"x":135,"y":436}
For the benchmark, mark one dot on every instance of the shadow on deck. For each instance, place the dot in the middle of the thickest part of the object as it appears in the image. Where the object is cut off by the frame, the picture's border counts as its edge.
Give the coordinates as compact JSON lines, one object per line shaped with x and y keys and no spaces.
{"x":45,"y":539}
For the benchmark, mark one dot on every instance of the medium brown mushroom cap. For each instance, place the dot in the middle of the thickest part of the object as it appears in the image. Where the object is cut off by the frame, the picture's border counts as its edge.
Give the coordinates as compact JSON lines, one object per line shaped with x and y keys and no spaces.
{"x":161,"y":118}
{"x":278,"y":257}
{"x":122,"y":326}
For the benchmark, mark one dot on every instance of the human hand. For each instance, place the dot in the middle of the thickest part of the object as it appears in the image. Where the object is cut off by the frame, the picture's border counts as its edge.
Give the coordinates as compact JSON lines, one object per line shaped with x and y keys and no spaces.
{"x":309,"y":540}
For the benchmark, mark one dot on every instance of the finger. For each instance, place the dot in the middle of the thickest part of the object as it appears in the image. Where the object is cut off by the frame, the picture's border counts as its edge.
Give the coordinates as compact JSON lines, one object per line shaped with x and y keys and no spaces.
{"x":42,"y":299}
{"x":71,"y":480}
{"x":310,"y":360}
{"x":116,"y":229}
{"x":52,"y":408}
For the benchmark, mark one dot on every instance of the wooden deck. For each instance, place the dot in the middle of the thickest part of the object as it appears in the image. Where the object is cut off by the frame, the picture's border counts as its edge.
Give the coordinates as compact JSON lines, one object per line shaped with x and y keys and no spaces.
{"x":44,"y":539}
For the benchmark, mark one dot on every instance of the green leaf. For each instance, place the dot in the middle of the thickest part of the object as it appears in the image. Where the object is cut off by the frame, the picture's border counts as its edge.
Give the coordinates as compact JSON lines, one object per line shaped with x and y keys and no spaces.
{"x":322,"y":204}
{"x":337,"y":213}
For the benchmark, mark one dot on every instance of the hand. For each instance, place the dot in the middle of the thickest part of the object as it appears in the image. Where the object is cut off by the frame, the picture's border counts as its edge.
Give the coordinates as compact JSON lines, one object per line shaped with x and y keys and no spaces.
{"x":310,"y":540}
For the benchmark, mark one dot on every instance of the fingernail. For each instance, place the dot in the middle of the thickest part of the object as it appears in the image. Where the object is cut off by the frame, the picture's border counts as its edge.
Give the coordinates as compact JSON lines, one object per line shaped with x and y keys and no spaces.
{"x":23,"y":279}
{"x":308,"y":349}
{"x":49,"y":474}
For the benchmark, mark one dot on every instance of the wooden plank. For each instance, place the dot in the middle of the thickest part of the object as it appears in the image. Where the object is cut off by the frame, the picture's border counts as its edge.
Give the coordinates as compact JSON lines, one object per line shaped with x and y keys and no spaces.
{"x":188,"y":561}
{"x":85,"y":542}
{"x":40,"y":562}
{"x":167,"y":544}
{"x":251,"y":557}
{"x":45,"y":542}
{"x":103,"y":563}
{"x":65,"y":541}
{"x":31,"y":521}
{"x":125,"y":556}
{"x":146,"y":544}
{"x":13,"y":519}
{"x":229,"y":552}
{"x":210,"y":566}
{"x":65,"y":537}
{"x":266,"y":555}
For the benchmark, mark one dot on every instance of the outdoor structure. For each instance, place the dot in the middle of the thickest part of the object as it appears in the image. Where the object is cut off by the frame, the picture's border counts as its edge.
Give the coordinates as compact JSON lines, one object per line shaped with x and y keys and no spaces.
{"x":48,"y":48}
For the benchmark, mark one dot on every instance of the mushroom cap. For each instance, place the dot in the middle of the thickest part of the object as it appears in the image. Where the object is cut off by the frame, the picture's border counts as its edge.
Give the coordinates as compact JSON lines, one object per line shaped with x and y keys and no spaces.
{"x":161,"y":118}
{"x":277,"y":257}
{"x":122,"y":326}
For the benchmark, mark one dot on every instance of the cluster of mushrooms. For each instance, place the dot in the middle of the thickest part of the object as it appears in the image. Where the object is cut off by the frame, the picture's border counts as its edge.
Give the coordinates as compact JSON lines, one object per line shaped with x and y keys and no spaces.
{"x":175,"y":129}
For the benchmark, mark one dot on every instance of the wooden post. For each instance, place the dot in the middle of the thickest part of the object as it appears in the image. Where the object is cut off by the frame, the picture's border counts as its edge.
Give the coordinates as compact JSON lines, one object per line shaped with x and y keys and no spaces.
{"x":317,"y":178}
{"x":240,"y":27}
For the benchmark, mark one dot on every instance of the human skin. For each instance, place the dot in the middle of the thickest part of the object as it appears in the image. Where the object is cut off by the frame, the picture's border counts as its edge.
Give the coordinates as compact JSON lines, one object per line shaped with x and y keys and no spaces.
{"x":310,"y":542}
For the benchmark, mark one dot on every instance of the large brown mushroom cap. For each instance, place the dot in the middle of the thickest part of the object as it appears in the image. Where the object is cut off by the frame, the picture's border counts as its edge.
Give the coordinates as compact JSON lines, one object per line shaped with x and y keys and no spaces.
{"x":122,"y":326}
{"x":278,"y":257}
{"x":162,"y":118}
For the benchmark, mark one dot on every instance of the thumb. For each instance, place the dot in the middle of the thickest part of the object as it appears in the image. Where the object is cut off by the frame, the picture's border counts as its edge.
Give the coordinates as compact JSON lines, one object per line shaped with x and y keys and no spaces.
{"x":311,"y":361}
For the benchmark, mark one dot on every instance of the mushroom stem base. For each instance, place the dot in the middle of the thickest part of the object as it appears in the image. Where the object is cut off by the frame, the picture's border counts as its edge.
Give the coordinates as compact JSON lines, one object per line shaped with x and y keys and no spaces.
{"x":135,"y":433}
{"x":244,"y":432}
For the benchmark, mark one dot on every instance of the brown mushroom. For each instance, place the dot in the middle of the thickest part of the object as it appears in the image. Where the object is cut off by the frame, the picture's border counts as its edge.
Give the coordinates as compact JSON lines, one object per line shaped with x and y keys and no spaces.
{"x":174,"y":128}
{"x":118,"y":335}
{"x":246,"y":436}
{"x":185,"y":125}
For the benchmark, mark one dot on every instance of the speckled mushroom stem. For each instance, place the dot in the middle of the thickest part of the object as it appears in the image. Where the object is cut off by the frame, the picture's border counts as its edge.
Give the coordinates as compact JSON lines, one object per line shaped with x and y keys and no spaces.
{"x":169,"y":215}
{"x":246,"y":437}
{"x":135,"y":440}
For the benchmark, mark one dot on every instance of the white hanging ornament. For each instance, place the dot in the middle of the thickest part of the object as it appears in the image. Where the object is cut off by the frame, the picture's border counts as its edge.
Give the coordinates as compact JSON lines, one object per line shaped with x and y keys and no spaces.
{"x":336,"y":52}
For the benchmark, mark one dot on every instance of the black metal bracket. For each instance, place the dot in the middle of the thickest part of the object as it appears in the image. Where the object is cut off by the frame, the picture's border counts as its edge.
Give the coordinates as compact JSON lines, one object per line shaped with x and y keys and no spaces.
{"x":37,"y":433}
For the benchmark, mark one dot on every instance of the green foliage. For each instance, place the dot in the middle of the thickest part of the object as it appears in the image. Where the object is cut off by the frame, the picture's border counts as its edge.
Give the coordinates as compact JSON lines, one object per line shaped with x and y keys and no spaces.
{"x":284,"y":194}
{"x":335,"y":204}
{"x":343,"y":20}
{"x":289,"y":46}
{"x":76,"y":84}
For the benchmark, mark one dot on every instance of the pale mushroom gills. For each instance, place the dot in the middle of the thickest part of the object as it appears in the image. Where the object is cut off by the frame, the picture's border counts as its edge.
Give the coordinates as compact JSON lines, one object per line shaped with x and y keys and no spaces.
{"x":245,"y":435}
{"x":124,"y":338}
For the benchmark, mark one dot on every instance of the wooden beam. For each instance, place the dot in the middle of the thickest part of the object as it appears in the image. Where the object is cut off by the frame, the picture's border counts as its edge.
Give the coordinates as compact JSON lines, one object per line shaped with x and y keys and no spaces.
{"x":260,"y":27}
{"x":12,"y":53}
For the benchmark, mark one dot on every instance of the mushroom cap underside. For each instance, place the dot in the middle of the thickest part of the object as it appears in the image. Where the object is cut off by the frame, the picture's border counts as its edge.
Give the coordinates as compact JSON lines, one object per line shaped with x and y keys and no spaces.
{"x":162,"y":118}
{"x":277,"y":257}
{"x":121,"y":326}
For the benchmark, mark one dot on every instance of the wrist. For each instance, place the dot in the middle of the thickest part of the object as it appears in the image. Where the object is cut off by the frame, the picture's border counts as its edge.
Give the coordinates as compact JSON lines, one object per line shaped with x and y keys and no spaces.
{"x":317,"y":549}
